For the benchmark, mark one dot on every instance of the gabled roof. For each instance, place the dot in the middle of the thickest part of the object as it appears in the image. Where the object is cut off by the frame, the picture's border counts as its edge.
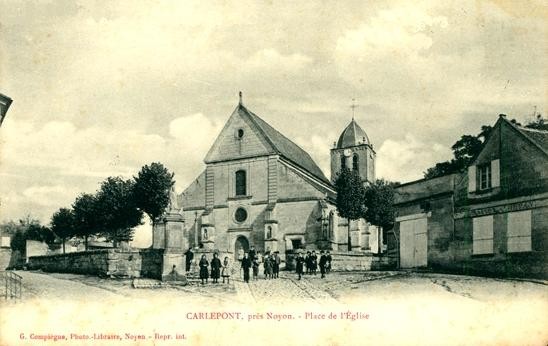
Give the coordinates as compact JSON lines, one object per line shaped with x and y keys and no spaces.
{"x":284,"y":146}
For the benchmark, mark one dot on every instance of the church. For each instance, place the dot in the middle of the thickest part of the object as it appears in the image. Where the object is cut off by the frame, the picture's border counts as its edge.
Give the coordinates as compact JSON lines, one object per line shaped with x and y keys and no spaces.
{"x":259,"y":189}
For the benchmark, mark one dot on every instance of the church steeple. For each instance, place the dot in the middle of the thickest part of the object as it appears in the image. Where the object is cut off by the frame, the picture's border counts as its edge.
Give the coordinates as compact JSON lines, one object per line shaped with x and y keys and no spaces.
{"x":354,"y":151}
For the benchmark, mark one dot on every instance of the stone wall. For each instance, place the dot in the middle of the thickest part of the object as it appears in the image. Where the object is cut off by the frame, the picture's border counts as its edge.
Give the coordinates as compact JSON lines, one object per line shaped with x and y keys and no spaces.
{"x":151,"y":263}
{"x":108,"y":263}
{"x":352,"y":261}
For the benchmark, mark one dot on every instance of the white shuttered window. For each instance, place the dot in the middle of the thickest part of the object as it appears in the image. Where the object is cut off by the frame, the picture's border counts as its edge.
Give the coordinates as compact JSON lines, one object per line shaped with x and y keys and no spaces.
{"x":519,"y":231}
{"x":482,"y":242}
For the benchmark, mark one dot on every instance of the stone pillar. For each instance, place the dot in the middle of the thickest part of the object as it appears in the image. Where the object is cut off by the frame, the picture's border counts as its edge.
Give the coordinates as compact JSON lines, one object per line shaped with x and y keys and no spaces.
{"x":158,"y":235}
{"x":174,"y":243}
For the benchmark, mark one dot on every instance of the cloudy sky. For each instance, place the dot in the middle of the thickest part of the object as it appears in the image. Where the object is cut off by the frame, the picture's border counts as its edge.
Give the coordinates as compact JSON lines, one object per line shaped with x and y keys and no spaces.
{"x":102,"y":88}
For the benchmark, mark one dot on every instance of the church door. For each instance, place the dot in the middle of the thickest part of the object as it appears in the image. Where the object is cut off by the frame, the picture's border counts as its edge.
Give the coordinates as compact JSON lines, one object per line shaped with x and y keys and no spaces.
{"x":241,"y":246}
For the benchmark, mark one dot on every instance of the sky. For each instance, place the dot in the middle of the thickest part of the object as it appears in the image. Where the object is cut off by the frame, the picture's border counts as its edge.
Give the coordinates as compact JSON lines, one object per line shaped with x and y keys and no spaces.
{"x":102,"y":88}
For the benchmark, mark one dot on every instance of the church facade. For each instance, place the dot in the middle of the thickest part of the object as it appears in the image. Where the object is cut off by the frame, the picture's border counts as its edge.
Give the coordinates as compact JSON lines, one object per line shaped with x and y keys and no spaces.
{"x":260,"y":189}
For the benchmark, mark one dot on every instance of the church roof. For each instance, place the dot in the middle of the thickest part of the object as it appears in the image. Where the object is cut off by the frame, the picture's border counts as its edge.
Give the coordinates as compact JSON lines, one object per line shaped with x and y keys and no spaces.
{"x":352,"y":135}
{"x":284,"y":146}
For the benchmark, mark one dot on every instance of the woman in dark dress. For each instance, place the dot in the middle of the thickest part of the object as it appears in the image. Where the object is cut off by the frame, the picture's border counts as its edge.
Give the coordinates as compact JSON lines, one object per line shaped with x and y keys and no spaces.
{"x":215,"y":268}
{"x":204,"y":274}
{"x":313,"y":262}
{"x":268,"y":267}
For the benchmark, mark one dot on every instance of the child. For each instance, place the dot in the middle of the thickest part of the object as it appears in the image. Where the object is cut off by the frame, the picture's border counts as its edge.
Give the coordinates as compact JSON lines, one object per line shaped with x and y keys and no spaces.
{"x":226,"y":271}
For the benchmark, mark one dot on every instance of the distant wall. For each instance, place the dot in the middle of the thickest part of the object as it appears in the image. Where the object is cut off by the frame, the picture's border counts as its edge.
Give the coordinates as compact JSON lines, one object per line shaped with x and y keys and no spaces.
{"x":36,"y":248}
{"x":5,"y":254}
{"x":106,"y":262}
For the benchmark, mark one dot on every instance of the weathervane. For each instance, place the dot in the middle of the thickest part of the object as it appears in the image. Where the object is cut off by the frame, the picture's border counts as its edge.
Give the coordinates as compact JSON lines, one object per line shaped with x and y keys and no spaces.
{"x":353,"y":106}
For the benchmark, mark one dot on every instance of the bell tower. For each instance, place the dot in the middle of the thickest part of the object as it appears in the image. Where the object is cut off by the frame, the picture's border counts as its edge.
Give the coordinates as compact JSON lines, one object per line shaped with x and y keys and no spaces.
{"x":354,"y":151}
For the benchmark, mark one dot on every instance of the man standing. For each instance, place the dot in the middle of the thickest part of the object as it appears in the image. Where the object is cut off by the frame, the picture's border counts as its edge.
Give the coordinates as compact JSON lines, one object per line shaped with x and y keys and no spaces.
{"x":299,"y":264}
{"x":189,"y":256}
{"x":215,"y":268}
{"x":277,"y":261}
{"x":246,"y":265}
{"x":323,"y":263}
{"x":328,"y":266}
{"x":252,"y":254}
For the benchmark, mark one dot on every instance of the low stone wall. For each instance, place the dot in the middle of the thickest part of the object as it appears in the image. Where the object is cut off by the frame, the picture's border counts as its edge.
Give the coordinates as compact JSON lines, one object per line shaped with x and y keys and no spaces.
{"x":348,"y":261}
{"x":107,"y":263}
{"x":352,"y":261}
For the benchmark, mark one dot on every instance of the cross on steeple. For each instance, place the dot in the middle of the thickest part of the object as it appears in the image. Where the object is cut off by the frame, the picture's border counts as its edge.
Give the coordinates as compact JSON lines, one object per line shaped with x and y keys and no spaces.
{"x":353,"y":106}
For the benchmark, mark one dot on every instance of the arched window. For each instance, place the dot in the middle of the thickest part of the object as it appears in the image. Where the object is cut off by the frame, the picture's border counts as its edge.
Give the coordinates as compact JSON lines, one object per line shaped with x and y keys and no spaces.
{"x":355,"y":163}
{"x":240,"y":183}
{"x":343,"y":162}
{"x":268,"y":232}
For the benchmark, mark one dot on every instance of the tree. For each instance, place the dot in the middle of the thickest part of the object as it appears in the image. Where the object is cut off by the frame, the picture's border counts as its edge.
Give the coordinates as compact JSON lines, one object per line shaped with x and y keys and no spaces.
{"x":86,"y":217}
{"x":118,"y":210}
{"x":62,"y":224}
{"x":151,"y":191}
{"x":35,"y":231}
{"x":350,"y":197}
{"x":379,"y":198}
{"x":19,"y":241}
{"x":464,"y":151}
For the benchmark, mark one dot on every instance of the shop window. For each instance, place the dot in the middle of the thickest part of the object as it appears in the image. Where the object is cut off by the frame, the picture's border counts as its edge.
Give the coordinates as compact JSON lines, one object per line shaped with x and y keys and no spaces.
{"x":482,"y":241}
{"x":519,"y":231}
{"x":241,"y":187}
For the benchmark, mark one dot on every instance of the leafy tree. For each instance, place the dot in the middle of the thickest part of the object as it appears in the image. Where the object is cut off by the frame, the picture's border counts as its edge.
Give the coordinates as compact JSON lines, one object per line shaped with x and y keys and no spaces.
{"x":350,"y":197}
{"x":464,"y":150}
{"x":379,"y":198}
{"x":151,"y":190}
{"x":86,"y":217}
{"x":62,"y":224}
{"x":19,"y":241}
{"x":116,"y":204}
{"x":37,"y":232}
{"x":380,"y":209}
{"x":28,"y":229}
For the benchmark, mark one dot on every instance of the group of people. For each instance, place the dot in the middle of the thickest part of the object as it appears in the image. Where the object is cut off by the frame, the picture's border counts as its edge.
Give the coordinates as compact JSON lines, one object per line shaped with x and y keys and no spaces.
{"x":310,"y":262}
{"x":253,"y":259}
{"x":218,"y":269}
